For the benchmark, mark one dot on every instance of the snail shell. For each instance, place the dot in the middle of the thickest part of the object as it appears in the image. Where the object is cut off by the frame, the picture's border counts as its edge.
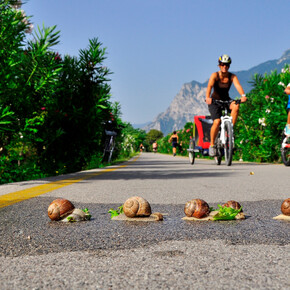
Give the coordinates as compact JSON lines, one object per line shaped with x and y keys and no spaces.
{"x":136,"y":206}
{"x":233,"y":204}
{"x":59,"y":209}
{"x":285,"y":207}
{"x":197,"y":208}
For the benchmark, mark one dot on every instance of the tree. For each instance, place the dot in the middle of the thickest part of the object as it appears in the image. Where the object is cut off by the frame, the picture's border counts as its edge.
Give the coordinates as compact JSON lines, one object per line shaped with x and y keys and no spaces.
{"x":61,"y":104}
{"x":131,"y":139}
{"x":153,"y":135}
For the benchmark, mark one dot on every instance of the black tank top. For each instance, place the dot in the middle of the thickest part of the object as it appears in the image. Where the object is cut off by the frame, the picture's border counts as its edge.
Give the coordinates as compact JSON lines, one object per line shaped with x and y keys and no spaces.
{"x":221,"y":90}
{"x":174,"y":139}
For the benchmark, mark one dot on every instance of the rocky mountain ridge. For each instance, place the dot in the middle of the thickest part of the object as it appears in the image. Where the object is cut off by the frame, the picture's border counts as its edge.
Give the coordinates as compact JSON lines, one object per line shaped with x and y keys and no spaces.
{"x":189,"y":102}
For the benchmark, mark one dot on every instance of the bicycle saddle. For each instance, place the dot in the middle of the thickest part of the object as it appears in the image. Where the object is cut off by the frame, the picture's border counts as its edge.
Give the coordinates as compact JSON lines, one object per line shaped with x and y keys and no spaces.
{"x":206,"y":121}
{"x":110,"y":133}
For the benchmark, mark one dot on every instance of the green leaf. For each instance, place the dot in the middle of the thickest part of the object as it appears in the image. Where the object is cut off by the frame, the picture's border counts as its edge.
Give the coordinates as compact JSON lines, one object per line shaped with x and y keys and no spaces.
{"x":226,"y":213}
{"x":116,"y":212}
{"x":87,"y":214}
{"x":70,"y":219}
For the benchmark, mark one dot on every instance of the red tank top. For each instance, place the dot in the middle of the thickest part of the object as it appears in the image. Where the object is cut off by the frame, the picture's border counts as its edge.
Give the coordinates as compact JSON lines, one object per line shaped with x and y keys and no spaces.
{"x":221,"y":90}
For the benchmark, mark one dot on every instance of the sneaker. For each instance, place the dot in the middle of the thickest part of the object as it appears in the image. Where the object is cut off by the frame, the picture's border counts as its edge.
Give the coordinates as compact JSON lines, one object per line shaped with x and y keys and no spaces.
{"x":287,"y":129}
{"x":212,"y":151}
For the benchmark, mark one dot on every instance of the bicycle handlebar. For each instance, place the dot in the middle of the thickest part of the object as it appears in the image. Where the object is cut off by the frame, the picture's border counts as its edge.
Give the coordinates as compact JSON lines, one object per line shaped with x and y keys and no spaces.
{"x":226,"y":102}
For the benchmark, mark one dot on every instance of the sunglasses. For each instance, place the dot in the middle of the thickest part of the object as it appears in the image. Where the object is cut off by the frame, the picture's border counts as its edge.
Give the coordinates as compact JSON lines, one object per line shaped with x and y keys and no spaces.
{"x":224,"y":64}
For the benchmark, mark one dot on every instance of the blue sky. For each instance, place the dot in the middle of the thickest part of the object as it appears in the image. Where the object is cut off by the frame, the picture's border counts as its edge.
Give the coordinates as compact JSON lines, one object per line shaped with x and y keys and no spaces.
{"x":155,"y":46}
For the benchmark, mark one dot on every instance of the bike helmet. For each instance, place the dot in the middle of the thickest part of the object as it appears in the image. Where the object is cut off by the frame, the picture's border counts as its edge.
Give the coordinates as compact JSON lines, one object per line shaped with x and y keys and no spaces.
{"x":225,"y":59}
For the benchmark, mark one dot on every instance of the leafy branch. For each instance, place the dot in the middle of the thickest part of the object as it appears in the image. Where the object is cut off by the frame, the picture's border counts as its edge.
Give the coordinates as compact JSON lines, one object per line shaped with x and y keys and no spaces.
{"x":226,"y":213}
{"x":116,"y":212}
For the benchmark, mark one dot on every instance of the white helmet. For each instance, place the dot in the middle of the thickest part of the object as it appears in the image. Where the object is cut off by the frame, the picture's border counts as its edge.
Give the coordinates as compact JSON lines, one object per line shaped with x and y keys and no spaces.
{"x":225,"y":59}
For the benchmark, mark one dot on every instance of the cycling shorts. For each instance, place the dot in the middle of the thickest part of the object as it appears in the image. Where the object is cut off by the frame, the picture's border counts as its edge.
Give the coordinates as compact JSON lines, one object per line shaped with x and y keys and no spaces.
{"x":215,"y":110}
{"x":288,"y":105}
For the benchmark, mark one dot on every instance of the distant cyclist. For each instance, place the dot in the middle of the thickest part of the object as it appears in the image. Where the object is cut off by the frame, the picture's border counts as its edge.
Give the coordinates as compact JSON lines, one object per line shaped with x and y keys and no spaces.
{"x":221,"y":82}
{"x":154,"y":146}
{"x":287,"y":128}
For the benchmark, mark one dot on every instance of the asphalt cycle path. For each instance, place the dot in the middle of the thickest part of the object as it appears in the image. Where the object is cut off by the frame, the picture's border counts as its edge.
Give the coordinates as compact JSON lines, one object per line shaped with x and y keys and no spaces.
{"x":171,"y":254}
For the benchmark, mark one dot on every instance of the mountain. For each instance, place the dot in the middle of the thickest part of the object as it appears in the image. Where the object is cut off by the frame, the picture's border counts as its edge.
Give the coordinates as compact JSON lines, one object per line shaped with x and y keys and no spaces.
{"x":136,"y":126}
{"x":189,"y":102}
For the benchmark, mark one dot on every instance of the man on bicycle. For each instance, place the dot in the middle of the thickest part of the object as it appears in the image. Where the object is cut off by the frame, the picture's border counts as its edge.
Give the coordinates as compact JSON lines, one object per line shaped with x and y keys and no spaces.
{"x":221,"y":82}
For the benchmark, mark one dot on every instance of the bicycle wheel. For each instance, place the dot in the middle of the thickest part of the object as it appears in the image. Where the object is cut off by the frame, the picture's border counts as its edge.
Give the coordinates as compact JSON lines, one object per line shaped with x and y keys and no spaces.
{"x":107,"y":150}
{"x":285,"y":150}
{"x":191,"y":154}
{"x":229,"y":143}
{"x":219,"y":153}
{"x":112,"y":145}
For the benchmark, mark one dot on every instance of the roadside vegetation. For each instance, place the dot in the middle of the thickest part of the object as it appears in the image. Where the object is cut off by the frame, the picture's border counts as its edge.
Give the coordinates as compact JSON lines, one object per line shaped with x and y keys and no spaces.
{"x":262,"y":118}
{"x":54,"y":109}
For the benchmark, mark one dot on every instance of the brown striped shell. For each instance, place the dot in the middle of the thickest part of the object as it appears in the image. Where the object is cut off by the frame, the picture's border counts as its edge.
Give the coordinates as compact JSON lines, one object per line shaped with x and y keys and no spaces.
{"x":59,"y":209}
{"x":197,"y":208}
{"x":233,"y":204}
{"x":136,"y":206}
{"x":285,"y":207}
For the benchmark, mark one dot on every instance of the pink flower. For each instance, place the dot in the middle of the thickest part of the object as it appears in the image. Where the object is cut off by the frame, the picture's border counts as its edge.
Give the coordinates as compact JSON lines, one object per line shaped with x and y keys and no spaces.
{"x":187,"y":130}
{"x":43,"y":108}
{"x":267,"y":97}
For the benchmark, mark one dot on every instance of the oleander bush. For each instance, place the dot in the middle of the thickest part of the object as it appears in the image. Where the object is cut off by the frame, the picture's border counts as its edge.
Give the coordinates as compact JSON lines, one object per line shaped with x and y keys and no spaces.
{"x":53,"y":109}
{"x":262,"y":118}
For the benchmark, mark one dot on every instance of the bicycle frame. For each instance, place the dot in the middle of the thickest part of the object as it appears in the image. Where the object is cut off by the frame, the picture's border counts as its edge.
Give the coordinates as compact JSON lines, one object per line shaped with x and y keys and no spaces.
{"x":225,"y":119}
{"x":225,"y":138}
{"x":284,"y":142}
{"x":109,"y":145}
{"x":285,"y":148}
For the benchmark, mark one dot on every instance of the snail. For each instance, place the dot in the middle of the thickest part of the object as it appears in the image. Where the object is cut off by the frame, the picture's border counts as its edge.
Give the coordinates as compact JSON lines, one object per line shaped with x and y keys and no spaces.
{"x":158,"y":216}
{"x":233,"y":204}
{"x":136,"y":206}
{"x":77,"y":215}
{"x":197,"y":208}
{"x":285,"y":207}
{"x":59,"y":209}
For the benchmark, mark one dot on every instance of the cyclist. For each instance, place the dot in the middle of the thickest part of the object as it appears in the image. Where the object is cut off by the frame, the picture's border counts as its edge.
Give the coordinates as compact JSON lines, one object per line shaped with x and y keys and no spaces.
{"x":221,"y":82}
{"x":287,"y":128}
{"x":174,"y":142}
{"x":154,"y":146}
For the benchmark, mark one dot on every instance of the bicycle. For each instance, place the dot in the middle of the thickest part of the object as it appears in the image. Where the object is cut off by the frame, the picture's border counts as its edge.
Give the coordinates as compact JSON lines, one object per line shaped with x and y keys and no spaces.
{"x":109,"y":145}
{"x":225,"y":139}
{"x":285,"y":144}
{"x":285,"y":148}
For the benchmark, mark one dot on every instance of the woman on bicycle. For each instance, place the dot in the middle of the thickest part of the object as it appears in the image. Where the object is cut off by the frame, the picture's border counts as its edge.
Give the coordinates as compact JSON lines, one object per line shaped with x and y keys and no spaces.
{"x":221,"y":82}
{"x":287,"y":128}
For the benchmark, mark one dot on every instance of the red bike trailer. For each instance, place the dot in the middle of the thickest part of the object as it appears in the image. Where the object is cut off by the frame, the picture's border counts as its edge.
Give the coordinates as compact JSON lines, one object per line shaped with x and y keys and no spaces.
{"x":201,"y":139}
